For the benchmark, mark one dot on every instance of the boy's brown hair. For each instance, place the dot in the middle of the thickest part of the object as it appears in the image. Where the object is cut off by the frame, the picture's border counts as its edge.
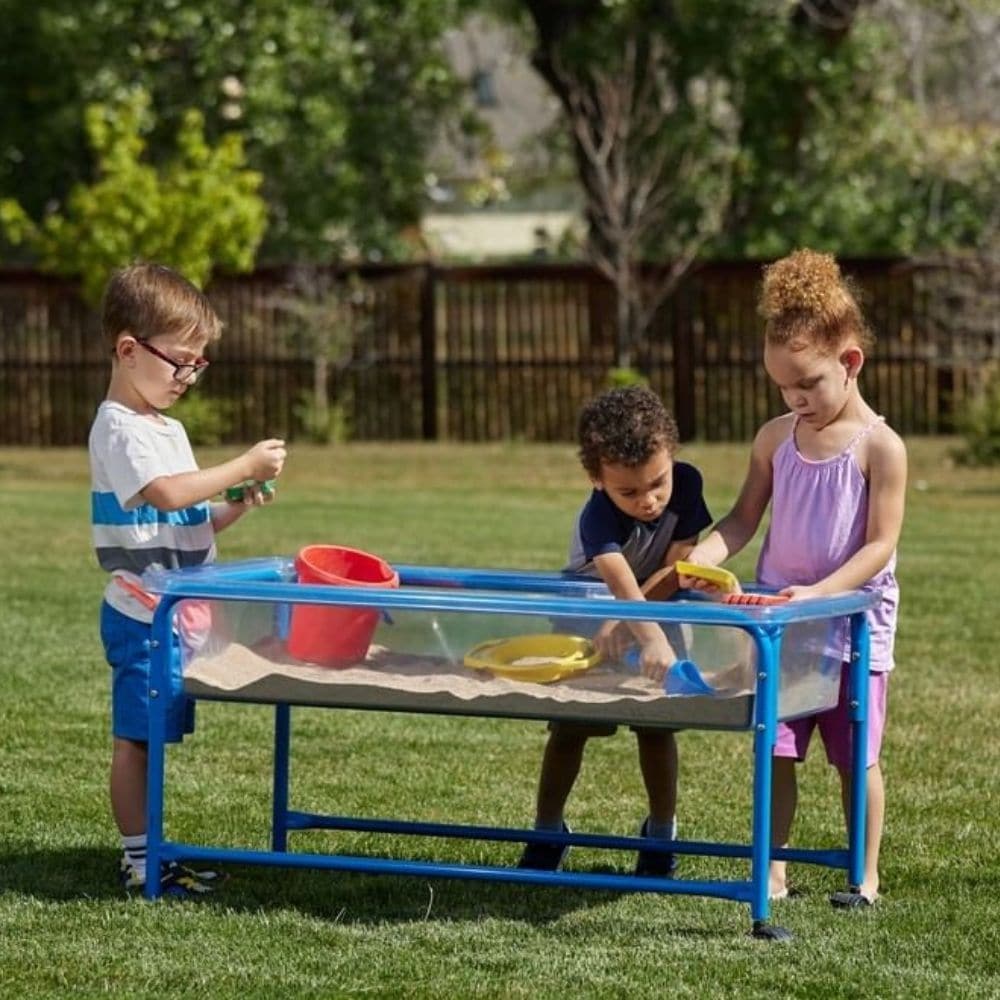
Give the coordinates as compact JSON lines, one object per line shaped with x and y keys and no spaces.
{"x":624,"y":426}
{"x":150,"y":300}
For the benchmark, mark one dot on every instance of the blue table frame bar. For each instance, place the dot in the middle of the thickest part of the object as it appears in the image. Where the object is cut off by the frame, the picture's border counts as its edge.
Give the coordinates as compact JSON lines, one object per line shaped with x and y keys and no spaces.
{"x":497,"y":591}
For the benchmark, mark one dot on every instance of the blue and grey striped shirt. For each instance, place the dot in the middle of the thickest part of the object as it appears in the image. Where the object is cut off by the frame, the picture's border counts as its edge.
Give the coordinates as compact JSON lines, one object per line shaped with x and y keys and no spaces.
{"x":127,"y":452}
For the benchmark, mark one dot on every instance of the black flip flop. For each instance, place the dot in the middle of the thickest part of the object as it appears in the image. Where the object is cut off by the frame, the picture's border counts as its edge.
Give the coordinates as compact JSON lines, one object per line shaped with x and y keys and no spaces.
{"x":852,"y":900}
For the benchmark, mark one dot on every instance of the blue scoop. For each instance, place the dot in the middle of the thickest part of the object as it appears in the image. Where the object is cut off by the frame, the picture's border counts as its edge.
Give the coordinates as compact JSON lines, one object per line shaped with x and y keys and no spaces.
{"x":682,"y":678}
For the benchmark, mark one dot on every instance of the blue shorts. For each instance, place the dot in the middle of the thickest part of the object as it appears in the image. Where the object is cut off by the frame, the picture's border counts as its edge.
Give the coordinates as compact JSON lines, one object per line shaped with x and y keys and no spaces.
{"x":127,"y":648}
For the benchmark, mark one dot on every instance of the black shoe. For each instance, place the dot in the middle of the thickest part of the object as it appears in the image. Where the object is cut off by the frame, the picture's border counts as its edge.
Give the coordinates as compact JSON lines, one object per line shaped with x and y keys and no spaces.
{"x":175,"y":880}
{"x":543,"y":856}
{"x":654,"y":863}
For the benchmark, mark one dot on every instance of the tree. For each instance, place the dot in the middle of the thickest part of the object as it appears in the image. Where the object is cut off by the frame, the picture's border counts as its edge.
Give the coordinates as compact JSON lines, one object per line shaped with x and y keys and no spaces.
{"x":683,"y":114}
{"x":337,"y":103}
{"x":946,"y":69}
{"x":199,"y":210}
{"x":833,"y":153}
{"x":653,"y":148}
{"x":325,"y":315}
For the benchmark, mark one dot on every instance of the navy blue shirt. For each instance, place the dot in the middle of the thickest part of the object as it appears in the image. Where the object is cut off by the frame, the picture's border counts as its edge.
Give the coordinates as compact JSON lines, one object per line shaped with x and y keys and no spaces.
{"x":601,"y":527}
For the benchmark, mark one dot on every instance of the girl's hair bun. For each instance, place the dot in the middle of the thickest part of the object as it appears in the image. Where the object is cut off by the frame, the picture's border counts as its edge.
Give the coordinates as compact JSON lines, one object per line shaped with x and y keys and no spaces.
{"x":805,"y":280}
{"x":805,"y":298}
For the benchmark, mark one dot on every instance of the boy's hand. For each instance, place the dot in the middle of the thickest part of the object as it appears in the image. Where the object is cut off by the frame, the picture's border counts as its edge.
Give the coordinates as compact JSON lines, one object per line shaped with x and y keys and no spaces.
{"x":265,"y":459}
{"x":260,"y":493}
{"x":656,"y":657}
{"x":613,"y":639}
{"x":251,"y":493}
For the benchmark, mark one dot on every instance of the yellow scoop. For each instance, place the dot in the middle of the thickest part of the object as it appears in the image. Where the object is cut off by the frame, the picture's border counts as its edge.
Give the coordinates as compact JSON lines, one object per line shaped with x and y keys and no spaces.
{"x":722,"y":578}
{"x":537,"y":658}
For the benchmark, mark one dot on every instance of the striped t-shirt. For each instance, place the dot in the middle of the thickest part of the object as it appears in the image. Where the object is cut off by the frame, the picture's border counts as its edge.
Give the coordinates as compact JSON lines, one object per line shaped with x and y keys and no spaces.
{"x":127,"y":452}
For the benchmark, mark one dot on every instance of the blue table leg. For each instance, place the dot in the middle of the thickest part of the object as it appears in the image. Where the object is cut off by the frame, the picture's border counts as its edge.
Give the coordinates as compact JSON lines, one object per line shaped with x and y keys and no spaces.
{"x":161,"y":653}
{"x":858,"y":707}
{"x":279,"y":806}
{"x":765,"y":719}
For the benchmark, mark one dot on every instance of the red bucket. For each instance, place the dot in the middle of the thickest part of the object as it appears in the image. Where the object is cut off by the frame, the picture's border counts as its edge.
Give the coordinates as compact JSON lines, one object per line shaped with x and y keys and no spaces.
{"x":331,"y":636}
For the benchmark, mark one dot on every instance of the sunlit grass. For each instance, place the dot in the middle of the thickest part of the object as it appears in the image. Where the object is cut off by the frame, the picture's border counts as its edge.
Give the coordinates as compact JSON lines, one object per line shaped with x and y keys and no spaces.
{"x":64,"y":929}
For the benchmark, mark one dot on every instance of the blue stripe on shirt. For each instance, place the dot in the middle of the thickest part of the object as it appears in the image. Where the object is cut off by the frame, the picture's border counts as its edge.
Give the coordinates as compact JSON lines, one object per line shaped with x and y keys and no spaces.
{"x":105,"y":509}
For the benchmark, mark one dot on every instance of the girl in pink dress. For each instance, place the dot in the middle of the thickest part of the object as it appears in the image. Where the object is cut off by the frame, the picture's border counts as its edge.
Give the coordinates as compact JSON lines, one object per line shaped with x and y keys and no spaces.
{"x":835,"y":477}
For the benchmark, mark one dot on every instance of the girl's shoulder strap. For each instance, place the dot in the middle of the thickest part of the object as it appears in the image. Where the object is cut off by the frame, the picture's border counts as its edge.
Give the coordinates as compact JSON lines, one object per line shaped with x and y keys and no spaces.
{"x":789,"y":440}
{"x":864,"y":432}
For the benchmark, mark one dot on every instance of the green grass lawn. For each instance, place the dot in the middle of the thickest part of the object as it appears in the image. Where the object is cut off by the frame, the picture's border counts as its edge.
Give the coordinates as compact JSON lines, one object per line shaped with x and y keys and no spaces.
{"x":66,"y":930}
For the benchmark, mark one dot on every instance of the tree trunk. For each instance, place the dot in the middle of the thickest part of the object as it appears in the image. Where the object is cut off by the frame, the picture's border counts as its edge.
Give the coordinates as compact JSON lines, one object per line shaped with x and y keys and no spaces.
{"x":321,"y":394}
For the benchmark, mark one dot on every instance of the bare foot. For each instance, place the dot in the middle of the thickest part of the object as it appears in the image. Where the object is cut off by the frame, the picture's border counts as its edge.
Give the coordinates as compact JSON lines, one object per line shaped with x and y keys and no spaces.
{"x":869,"y":890}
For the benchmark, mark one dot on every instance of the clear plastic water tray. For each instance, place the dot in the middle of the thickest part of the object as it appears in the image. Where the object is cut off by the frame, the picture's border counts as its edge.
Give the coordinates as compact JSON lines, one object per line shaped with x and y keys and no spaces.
{"x":234,"y":620}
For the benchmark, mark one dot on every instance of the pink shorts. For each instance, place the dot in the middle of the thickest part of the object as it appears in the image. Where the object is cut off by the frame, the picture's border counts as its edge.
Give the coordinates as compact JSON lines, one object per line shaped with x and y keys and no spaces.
{"x":792,"y":738}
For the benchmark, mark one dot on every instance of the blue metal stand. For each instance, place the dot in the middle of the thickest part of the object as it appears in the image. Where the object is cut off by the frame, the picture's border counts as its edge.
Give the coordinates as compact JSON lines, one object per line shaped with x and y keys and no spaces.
{"x":279,"y":805}
{"x":260,"y":582}
{"x":858,"y":704}
{"x":765,"y":719}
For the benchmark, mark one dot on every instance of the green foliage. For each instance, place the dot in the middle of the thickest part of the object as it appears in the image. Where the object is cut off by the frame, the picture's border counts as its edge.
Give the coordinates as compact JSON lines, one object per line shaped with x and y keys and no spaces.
{"x":620,"y":377}
{"x":206,"y":420}
{"x":340,"y":104}
{"x":832,"y":152}
{"x":201,"y":209}
{"x":324,"y":422}
{"x":337,"y":103}
{"x":980,"y":424}
{"x":323,"y":315}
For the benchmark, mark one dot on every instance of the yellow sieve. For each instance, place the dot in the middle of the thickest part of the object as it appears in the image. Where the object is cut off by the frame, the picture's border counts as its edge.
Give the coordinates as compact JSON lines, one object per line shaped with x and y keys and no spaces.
{"x":537,"y":658}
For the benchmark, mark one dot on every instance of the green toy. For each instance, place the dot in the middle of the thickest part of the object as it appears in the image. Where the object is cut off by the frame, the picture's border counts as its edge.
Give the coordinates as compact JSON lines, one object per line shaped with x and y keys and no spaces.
{"x":235,"y":493}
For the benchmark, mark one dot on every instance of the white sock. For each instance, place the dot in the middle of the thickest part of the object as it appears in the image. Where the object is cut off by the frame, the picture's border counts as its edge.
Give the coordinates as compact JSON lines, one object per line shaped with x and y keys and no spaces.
{"x":662,"y":831}
{"x":135,"y":853}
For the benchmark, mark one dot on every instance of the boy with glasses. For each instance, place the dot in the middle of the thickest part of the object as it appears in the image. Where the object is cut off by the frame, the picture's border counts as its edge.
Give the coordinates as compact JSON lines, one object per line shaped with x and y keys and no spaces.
{"x":150,"y":508}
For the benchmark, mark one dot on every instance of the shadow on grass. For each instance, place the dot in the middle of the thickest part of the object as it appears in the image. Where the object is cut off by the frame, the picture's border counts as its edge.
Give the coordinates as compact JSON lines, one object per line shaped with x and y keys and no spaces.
{"x":90,"y":874}
{"x":354,"y":898}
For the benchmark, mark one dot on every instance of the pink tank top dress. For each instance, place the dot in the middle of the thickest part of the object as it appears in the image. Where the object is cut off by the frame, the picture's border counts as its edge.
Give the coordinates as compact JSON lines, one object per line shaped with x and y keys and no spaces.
{"x":819,"y":516}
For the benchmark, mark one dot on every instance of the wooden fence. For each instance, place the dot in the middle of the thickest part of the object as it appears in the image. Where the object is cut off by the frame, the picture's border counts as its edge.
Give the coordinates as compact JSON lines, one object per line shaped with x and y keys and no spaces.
{"x":489,"y":353}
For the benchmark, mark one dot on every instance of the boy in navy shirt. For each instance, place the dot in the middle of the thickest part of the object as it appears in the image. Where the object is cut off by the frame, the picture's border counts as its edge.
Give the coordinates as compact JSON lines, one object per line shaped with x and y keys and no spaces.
{"x":645,"y":512}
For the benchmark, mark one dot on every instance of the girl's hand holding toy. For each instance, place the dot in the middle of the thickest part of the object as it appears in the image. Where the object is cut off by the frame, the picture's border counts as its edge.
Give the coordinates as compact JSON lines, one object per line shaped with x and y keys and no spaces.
{"x":715,"y":580}
{"x":757,"y":599}
{"x":712,"y":579}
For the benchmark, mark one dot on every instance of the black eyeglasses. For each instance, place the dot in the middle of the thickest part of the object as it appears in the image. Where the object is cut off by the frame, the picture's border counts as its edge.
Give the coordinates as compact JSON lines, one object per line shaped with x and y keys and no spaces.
{"x":182,"y":372}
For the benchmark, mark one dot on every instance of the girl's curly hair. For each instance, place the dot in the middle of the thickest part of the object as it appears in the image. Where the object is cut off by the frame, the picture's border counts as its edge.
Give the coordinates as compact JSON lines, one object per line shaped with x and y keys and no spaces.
{"x":624,"y":426}
{"x":806,"y":300}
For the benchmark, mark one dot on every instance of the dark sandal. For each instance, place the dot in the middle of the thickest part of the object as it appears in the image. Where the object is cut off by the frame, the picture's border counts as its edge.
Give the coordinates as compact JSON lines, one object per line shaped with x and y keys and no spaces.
{"x":852,"y":900}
